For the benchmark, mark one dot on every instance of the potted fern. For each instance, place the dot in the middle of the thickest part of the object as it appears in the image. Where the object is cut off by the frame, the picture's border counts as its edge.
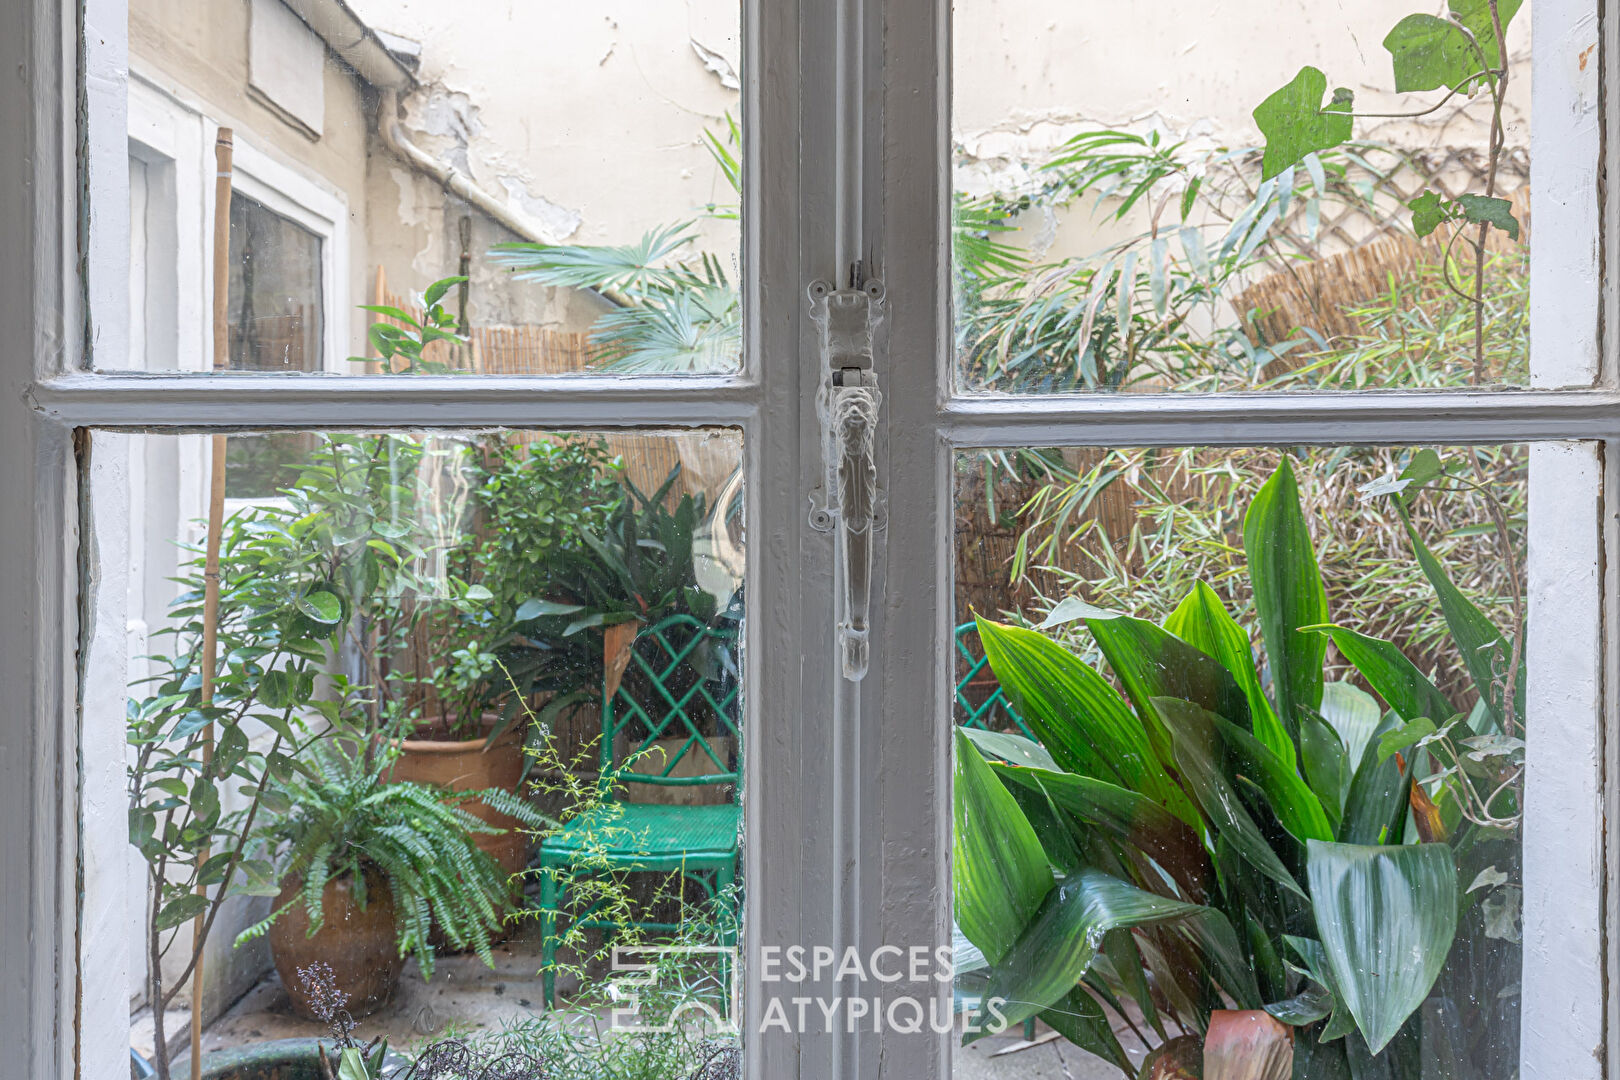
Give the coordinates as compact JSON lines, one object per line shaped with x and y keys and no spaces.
{"x":369,"y":868}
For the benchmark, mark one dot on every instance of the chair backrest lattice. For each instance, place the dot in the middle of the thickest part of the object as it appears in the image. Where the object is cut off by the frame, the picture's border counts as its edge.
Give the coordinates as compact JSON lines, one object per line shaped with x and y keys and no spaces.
{"x":980,"y":701}
{"x":678,"y":699}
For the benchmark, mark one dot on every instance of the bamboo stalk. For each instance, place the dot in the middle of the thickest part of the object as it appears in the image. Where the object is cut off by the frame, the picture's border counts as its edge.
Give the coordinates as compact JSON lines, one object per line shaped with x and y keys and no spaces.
{"x":216,"y":524}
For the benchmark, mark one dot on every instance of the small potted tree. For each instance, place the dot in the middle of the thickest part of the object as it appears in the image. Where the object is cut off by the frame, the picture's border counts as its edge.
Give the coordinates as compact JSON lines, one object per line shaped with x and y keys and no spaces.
{"x":501,"y":652}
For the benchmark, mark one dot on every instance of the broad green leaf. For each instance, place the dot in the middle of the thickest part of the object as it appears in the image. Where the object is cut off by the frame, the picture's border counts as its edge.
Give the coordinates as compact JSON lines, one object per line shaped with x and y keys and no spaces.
{"x":351,"y":1066}
{"x":1150,"y":663}
{"x":1001,"y":871}
{"x":1353,"y":713}
{"x":1059,"y":944}
{"x":1427,"y":213}
{"x":1071,"y":608}
{"x":1486,"y":210}
{"x":1014,"y":749}
{"x":181,"y":909}
{"x":1391,"y":675}
{"x":1127,"y":816}
{"x":435,"y":292}
{"x":1375,"y":808}
{"x":1399,"y":739}
{"x":1325,"y":763}
{"x":1295,"y":804}
{"x":1197,"y":757}
{"x":323,"y":607}
{"x":1288,"y":593}
{"x":534,"y":609}
{"x":1295,"y":122}
{"x":1202,"y":622}
{"x":1306,"y":1007}
{"x":1430,"y":52}
{"x":1386,"y":917}
{"x":1078,"y":1017}
{"x":1080,"y":719}
{"x":1484,"y":649}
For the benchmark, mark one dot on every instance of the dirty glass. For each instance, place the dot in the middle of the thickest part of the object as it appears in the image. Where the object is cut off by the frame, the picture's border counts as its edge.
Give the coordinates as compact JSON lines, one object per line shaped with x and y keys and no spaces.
{"x":449,"y":753}
{"x":1238,"y":753}
{"x":493,"y":188}
{"x":1263,"y":196}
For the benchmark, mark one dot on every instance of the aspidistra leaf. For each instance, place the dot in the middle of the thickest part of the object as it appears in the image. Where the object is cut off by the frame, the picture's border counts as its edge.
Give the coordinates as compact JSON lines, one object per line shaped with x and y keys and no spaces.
{"x":1001,"y":870}
{"x":1386,"y":917}
{"x":1288,"y":593}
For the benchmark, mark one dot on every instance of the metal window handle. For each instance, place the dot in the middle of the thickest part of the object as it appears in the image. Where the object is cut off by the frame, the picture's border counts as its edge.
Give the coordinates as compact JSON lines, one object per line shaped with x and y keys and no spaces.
{"x":848,"y":498}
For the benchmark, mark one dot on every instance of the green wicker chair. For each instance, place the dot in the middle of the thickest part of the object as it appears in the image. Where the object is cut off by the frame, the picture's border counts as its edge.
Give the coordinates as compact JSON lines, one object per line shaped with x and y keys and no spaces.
{"x":678,"y":683}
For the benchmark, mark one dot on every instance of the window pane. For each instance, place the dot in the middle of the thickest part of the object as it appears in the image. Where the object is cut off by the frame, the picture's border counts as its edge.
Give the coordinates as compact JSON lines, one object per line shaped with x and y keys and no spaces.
{"x":1176,"y":199}
{"x":525,"y":188}
{"x":474,"y":719}
{"x":275,"y":291}
{"x":1241,"y":730}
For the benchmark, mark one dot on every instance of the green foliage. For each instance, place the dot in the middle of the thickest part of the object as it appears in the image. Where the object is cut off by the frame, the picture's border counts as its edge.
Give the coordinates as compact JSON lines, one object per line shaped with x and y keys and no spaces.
{"x":345,"y":817}
{"x":638,"y":566}
{"x":1295,"y":122}
{"x":403,"y":348}
{"x":1461,"y":54}
{"x":1222,"y":860}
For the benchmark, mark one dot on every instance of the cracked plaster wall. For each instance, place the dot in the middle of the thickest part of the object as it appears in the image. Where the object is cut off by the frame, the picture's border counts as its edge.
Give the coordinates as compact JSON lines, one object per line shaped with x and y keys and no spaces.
{"x":1031,"y":73}
{"x":586,"y":118}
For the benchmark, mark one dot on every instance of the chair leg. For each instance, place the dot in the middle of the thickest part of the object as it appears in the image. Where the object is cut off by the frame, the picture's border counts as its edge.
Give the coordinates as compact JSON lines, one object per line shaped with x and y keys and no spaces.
{"x":548,"y":934}
{"x":726,"y":904}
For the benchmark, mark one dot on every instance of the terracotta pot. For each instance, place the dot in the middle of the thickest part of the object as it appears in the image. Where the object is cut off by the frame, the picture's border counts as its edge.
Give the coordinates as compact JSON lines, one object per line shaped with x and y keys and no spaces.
{"x":360,"y":945}
{"x":466,"y":765}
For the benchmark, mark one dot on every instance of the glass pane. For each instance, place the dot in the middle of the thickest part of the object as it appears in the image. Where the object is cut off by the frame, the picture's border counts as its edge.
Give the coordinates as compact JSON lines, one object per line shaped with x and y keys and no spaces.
{"x":1235,"y":731}
{"x":510,"y":211}
{"x":1180,"y":199}
{"x":471,"y":721}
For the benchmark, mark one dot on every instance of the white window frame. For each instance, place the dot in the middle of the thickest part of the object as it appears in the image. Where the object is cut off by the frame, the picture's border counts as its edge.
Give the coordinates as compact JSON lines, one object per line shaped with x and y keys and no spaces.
{"x":847,"y":807}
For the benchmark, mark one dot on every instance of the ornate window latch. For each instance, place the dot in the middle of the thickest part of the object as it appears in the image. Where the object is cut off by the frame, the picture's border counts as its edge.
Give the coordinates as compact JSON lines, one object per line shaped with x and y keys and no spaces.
{"x":848,"y":498}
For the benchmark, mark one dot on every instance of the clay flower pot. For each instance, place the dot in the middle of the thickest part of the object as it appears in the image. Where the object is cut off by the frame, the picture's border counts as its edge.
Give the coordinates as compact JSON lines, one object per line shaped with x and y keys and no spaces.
{"x":360,"y":945}
{"x":467,"y":765}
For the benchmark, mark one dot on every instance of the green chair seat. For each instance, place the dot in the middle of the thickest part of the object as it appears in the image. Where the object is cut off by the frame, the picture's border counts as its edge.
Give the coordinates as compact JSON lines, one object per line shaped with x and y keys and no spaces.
{"x":648,"y":836}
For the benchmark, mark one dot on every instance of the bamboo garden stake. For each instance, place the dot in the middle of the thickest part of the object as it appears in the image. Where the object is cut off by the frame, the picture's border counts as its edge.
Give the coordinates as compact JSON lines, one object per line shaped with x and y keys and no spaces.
{"x":216,"y":524}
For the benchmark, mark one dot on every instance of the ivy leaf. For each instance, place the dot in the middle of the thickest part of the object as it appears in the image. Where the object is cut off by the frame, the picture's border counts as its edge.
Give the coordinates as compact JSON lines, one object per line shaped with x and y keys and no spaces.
{"x":1430,"y":52}
{"x":1295,"y":122}
{"x":1427,"y":212}
{"x":1486,"y":210}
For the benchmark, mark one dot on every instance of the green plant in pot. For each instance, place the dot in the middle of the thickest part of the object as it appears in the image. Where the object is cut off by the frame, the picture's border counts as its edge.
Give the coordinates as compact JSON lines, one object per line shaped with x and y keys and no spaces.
{"x":1275,"y":871}
{"x":534,"y":499}
{"x":638,"y":570}
{"x":369,"y":869}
